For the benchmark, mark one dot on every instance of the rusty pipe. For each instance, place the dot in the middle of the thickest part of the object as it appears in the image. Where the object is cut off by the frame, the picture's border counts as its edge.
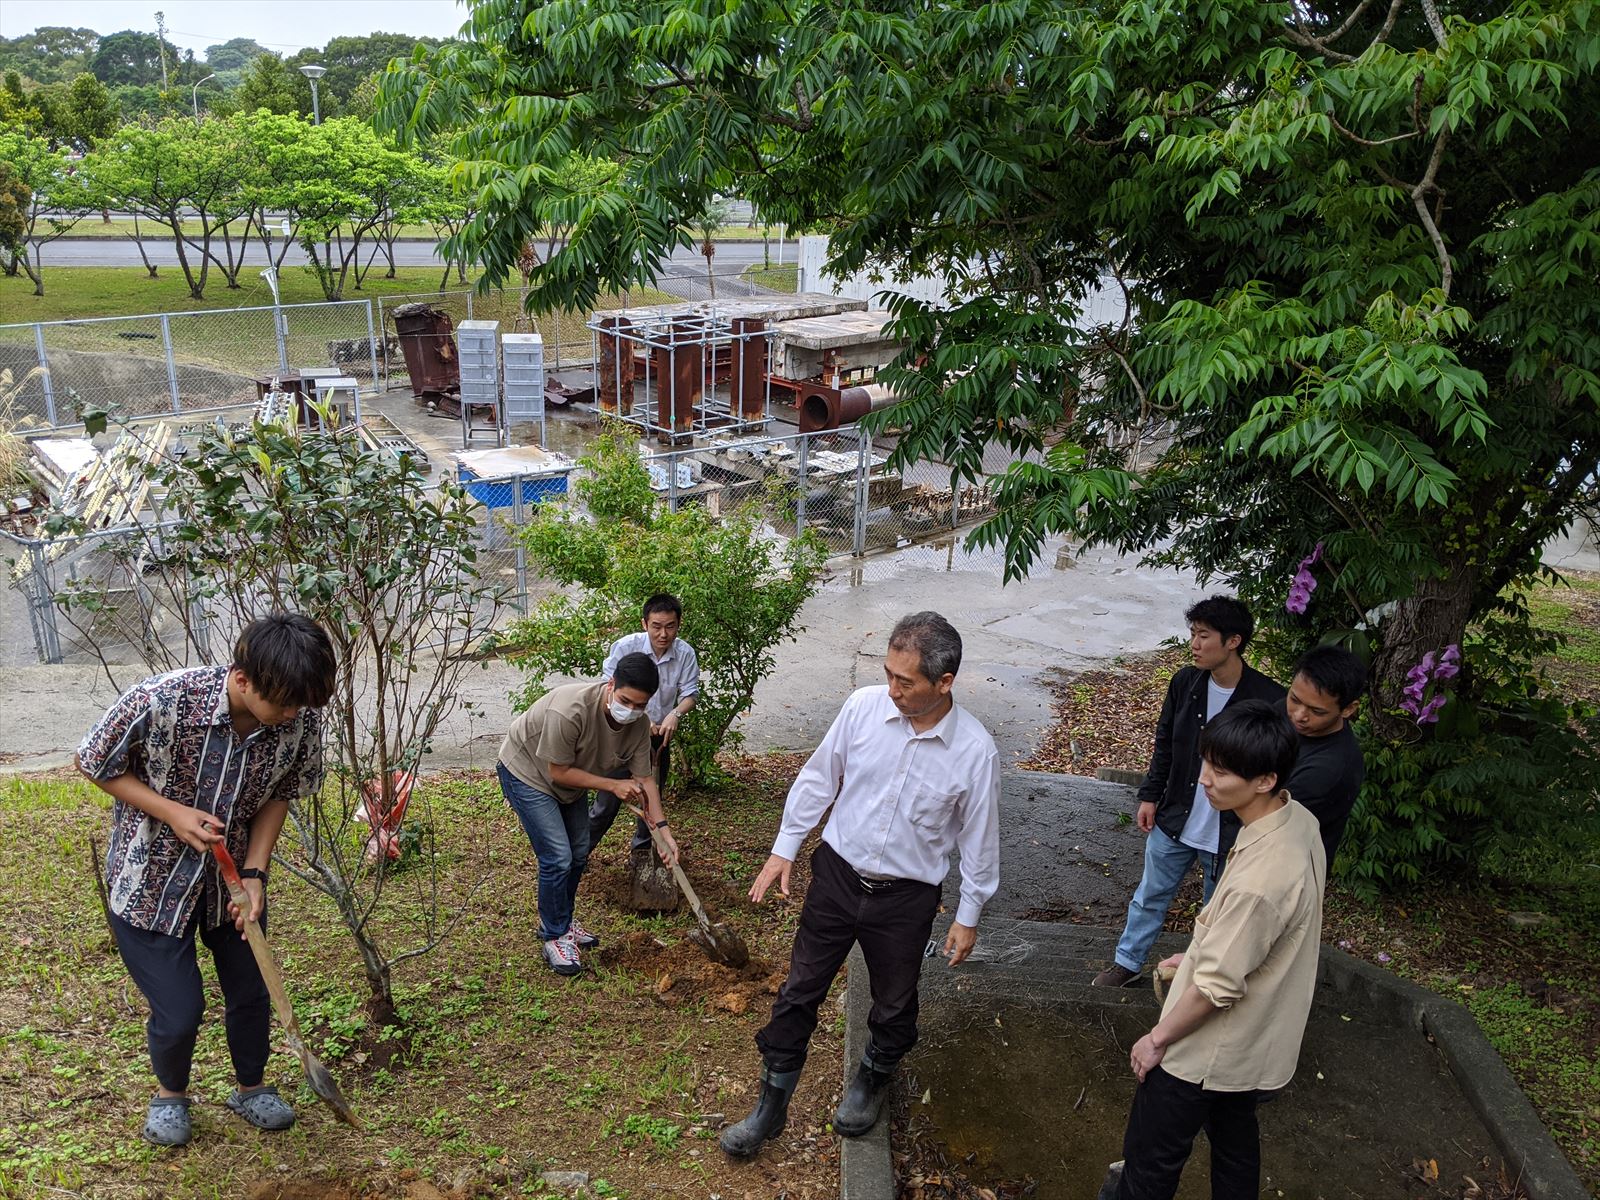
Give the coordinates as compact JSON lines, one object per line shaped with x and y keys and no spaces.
{"x":823,"y":408}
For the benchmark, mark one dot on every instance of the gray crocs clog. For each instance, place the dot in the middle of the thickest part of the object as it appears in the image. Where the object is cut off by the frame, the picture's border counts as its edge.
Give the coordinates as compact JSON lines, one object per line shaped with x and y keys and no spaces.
{"x":167,"y":1121}
{"x":263,"y":1108}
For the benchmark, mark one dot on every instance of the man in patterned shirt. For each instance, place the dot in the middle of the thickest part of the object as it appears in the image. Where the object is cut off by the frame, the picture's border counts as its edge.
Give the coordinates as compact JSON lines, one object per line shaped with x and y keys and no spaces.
{"x":192,"y":758}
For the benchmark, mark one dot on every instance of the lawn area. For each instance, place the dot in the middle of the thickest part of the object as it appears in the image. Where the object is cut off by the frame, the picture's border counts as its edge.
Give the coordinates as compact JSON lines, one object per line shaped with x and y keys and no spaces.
{"x":1534,"y":988}
{"x":72,"y":292}
{"x":784,"y":277}
{"x":502,"y":1071}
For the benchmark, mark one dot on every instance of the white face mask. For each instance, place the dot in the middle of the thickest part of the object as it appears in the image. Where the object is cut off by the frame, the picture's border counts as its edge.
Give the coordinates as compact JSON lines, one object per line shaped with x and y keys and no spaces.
{"x":621,"y":713}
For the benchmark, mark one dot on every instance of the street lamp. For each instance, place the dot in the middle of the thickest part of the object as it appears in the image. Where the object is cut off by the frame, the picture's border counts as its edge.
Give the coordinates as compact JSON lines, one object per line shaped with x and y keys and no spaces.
{"x":313,"y":72}
{"x":194,"y":96}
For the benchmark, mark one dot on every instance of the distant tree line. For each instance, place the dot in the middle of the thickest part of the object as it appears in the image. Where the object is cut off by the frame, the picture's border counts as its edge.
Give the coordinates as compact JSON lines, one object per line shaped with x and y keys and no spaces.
{"x":148,"y":78}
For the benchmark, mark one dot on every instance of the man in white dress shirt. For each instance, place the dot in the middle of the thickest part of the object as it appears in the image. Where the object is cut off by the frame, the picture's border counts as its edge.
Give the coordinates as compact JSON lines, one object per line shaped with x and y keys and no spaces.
{"x":911,"y":775}
{"x":679,"y":672}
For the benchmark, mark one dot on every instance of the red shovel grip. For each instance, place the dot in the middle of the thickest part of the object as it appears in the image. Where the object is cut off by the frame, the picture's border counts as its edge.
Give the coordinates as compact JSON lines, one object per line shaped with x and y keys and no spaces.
{"x":230,"y":872}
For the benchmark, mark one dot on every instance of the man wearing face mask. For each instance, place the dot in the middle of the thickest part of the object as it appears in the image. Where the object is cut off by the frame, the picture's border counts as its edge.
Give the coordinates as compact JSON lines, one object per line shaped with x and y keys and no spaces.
{"x":571,"y":742}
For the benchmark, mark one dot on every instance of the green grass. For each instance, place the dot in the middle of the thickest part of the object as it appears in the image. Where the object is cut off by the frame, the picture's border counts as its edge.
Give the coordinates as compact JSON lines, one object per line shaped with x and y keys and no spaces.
{"x":784,"y":277}
{"x":72,"y":292}
{"x":503,"y":1069}
{"x":1572,"y":610}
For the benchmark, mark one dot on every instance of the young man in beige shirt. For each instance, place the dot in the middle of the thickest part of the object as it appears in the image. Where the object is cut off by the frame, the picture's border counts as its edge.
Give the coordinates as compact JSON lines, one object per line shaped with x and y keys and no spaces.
{"x":1233,"y":1021}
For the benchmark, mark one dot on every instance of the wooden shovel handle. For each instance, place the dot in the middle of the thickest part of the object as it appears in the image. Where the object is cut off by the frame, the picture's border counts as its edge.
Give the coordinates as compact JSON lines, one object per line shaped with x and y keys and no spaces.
{"x":677,"y":871}
{"x":268,"y":965}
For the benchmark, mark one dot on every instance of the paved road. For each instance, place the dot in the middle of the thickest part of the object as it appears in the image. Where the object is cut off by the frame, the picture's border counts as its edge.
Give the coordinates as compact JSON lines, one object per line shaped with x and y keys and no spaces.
{"x":121,"y":252}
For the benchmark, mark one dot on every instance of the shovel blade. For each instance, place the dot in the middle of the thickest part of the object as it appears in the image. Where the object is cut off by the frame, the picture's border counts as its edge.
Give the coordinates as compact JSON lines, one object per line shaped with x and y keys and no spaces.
{"x":721,"y":944}
{"x":326,"y":1088}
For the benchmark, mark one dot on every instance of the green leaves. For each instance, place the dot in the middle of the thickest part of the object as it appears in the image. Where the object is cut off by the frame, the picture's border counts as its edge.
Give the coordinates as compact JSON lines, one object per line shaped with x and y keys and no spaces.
{"x":741,"y":591}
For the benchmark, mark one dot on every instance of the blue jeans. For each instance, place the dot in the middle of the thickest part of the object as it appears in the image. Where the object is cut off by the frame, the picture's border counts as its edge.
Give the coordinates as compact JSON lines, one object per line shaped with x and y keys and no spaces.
{"x":1166,"y":862}
{"x":559,"y":835}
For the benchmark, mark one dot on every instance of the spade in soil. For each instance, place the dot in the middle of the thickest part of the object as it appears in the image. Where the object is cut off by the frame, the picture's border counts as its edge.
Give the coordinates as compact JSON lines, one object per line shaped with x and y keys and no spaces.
{"x":720,"y":943}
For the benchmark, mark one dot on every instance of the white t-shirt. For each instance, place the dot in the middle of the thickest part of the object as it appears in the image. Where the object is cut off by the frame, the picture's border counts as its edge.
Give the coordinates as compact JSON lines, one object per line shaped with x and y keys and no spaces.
{"x":1200,"y":830}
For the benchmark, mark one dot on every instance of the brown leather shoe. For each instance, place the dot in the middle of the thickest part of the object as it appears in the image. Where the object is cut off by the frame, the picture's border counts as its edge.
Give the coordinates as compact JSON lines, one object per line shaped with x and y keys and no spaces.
{"x":1116,"y":975}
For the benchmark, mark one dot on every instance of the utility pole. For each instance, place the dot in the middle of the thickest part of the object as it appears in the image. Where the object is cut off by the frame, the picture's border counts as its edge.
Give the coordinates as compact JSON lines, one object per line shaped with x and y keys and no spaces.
{"x":161,"y":46}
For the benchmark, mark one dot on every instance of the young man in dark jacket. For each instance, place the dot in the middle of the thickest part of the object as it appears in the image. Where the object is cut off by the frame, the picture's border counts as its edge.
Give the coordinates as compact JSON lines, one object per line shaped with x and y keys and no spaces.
{"x":1180,"y":825}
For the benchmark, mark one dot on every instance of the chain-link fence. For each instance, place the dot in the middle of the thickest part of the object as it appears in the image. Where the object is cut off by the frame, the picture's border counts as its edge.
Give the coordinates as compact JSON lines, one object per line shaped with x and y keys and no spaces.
{"x":178,"y":362}
{"x":875,"y":521}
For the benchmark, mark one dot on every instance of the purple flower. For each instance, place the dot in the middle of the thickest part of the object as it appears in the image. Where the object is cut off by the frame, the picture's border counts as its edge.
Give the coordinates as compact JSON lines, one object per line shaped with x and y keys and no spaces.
{"x":1430,"y":711}
{"x":1344,"y":944}
{"x":1383,"y":957}
{"x":1452,"y":654}
{"x":1303,"y":583}
{"x":1427,"y":663}
{"x":1446,"y":670}
{"x":1415,"y":689}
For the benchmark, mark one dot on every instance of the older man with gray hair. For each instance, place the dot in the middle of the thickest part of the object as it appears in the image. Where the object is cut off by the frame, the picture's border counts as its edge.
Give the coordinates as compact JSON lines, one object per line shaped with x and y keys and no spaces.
{"x":911,"y":775}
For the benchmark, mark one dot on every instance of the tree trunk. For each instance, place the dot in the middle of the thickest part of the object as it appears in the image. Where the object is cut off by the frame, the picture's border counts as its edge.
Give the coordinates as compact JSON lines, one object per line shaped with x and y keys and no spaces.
{"x":1433,"y":617}
{"x":13,"y":266}
{"x":35,"y":269}
{"x":138,"y":241}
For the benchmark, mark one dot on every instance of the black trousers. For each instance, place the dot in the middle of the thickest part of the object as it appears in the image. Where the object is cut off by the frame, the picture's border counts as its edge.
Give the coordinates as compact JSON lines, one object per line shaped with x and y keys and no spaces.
{"x":604,"y":806}
{"x":892,"y":926}
{"x":1167,"y":1113}
{"x":167,"y":970}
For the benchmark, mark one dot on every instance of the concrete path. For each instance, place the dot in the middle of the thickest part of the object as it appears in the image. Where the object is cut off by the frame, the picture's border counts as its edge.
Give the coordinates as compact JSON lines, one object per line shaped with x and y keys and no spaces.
{"x":1016,"y":637}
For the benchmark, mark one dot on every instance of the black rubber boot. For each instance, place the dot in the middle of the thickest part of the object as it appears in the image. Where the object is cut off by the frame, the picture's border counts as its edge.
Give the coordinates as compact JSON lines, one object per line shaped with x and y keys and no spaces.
{"x":767,"y":1121}
{"x":863,"y":1101}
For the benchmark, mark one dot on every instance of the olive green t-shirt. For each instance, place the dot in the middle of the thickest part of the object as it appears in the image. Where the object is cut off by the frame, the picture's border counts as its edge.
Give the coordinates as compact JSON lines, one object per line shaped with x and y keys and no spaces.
{"x":568,"y":726}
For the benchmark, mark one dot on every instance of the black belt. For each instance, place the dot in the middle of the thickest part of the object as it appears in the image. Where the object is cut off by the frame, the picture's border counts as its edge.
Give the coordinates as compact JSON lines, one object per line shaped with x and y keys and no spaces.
{"x":872,"y":887}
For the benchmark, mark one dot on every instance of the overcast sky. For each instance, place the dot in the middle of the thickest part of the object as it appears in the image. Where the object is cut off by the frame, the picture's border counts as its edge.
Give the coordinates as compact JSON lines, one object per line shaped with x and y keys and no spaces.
{"x":281,"y":25}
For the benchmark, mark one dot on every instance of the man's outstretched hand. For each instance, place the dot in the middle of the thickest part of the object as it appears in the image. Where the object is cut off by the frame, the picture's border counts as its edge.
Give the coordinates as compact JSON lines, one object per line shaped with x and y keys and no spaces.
{"x":776,"y":871}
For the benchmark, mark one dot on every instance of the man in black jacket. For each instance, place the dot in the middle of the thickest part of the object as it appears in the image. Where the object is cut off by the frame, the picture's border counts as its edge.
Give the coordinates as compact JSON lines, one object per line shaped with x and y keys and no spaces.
{"x":1324,"y":693}
{"x":1181,"y":825}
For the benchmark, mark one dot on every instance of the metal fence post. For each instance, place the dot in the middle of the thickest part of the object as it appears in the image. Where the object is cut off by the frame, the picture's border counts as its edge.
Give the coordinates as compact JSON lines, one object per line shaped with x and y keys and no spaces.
{"x":801,"y":471}
{"x":519,"y":518}
{"x":172,"y":366}
{"x":383,"y":326}
{"x":672,"y":482}
{"x":372,"y":346}
{"x":44,"y":364}
{"x":280,"y":331}
{"x":955,"y":500}
{"x":41,"y":607}
{"x":863,"y":464}
{"x":469,"y":306}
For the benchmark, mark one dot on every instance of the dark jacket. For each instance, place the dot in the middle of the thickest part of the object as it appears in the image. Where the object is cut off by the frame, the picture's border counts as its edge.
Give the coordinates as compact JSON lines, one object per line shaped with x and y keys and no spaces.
{"x":1175,"y":764}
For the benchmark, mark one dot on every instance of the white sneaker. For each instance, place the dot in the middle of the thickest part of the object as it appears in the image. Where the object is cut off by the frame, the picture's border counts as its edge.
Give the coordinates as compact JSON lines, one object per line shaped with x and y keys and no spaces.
{"x":581,"y":936}
{"x":562,"y":955}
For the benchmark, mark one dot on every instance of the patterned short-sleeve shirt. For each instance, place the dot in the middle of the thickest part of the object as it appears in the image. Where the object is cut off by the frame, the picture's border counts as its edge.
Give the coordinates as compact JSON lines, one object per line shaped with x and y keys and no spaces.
{"x":174,"y":732}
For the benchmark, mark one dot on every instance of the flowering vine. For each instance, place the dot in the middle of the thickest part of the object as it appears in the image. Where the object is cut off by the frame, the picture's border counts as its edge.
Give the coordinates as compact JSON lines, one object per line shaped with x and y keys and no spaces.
{"x":1430,"y":672}
{"x":1303,"y":583}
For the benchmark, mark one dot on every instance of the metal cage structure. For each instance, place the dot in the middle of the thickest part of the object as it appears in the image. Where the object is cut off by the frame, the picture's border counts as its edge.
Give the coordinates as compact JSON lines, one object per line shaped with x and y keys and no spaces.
{"x":677,"y":374}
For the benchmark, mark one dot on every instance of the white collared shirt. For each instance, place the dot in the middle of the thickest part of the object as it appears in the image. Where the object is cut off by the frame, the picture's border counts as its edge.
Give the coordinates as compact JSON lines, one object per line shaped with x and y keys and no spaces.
{"x":902,"y":800}
{"x":679,"y":669}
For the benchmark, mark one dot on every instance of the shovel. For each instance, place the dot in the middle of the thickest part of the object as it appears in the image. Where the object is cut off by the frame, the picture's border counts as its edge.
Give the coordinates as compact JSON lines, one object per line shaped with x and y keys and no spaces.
{"x":720,"y":943}
{"x":317,"y":1075}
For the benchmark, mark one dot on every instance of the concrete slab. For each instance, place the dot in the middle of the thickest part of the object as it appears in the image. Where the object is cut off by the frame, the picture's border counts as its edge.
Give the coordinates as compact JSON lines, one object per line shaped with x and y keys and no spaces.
{"x":780,"y":307}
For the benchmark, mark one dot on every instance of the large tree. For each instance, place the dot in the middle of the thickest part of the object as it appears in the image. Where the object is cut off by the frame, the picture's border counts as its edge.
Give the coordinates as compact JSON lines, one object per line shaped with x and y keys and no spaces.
{"x":131,"y":57}
{"x":50,"y":54}
{"x":52,"y":200}
{"x":1358,"y":244}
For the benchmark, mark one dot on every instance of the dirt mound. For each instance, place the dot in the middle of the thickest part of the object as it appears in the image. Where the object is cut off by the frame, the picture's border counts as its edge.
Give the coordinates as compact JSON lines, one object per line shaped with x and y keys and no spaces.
{"x":683,"y":974}
{"x":407,"y":1187}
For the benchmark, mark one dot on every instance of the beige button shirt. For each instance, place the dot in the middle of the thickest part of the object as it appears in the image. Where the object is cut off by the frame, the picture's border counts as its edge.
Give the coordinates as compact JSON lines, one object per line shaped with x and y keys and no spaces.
{"x":568,"y":726}
{"x":1254,"y":955}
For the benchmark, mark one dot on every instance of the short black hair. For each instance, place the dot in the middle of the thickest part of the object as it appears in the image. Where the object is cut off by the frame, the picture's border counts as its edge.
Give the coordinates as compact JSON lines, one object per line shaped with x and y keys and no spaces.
{"x":1252,"y":738}
{"x":1334,"y":670}
{"x":289,"y":659}
{"x":935,"y":640}
{"x":636,"y":671}
{"x":663,"y":602}
{"x":1226,"y":615}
